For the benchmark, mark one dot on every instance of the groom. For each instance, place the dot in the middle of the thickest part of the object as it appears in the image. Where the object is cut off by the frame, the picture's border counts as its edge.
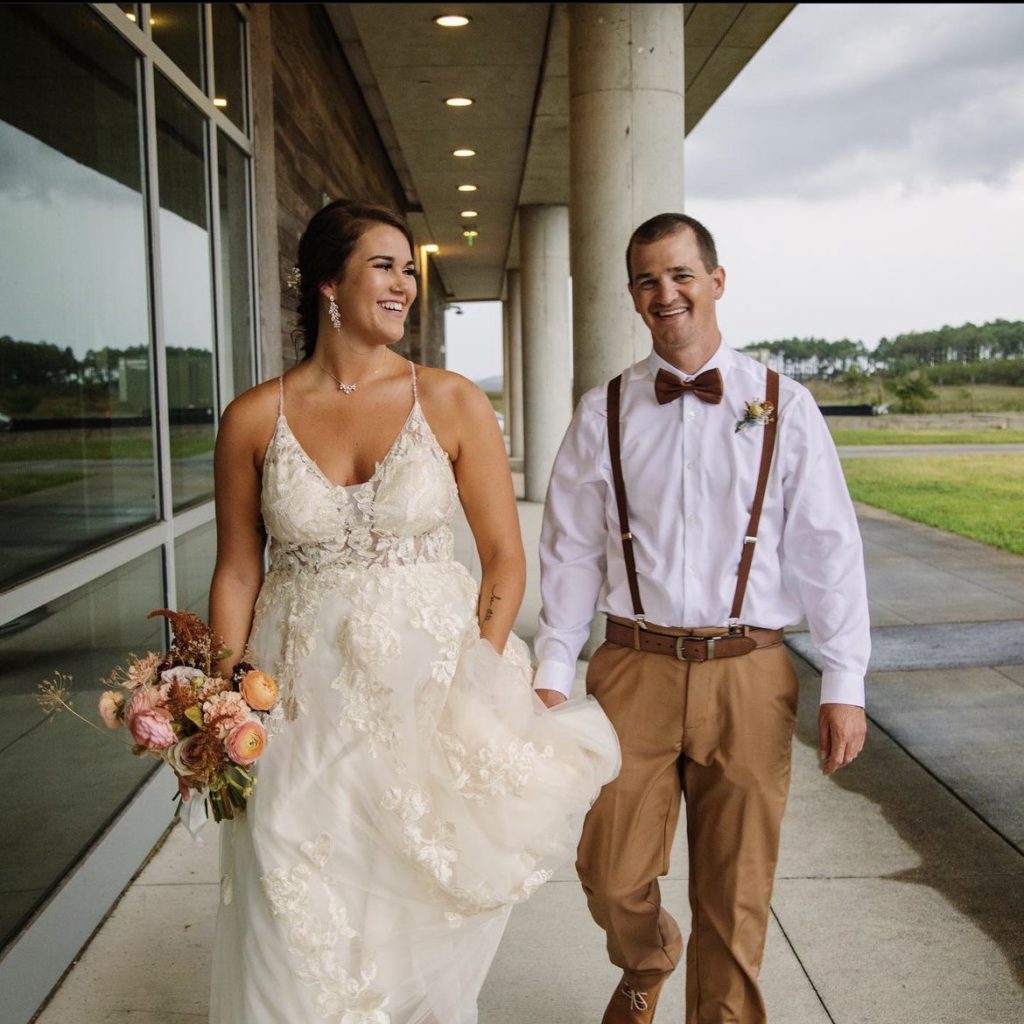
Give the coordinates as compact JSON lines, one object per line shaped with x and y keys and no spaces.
{"x":653,"y":499}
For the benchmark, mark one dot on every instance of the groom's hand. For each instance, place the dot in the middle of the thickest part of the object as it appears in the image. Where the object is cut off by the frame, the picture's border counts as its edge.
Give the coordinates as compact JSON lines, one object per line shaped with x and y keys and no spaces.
{"x":551,"y":698}
{"x":842,"y":729}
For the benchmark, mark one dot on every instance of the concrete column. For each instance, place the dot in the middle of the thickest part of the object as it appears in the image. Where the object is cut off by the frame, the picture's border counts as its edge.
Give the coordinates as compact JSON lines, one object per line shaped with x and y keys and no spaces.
{"x":515,"y":368}
{"x":626,"y":129}
{"x":547,"y":339}
{"x":275,"y":347}
{"x":506,"y":363}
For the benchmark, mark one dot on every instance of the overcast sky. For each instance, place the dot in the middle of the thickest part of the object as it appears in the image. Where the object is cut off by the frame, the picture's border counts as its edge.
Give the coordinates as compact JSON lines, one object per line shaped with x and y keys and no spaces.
{"x":863,"y":176}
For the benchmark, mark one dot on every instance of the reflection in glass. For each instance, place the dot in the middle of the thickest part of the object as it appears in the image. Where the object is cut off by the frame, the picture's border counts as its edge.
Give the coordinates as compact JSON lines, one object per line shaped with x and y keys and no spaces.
{"x":194,"y":554}
{"x":76,"y":431}
{"x":185,"y":277}
{"x":178,"y":31}
{"x":236,"y":284}
{"x":228,"y":62}
{"x":60,"y":781}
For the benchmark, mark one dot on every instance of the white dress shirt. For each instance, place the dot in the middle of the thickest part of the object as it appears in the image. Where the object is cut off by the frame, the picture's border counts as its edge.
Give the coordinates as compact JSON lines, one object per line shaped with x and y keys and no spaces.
{"x":690,"y":479}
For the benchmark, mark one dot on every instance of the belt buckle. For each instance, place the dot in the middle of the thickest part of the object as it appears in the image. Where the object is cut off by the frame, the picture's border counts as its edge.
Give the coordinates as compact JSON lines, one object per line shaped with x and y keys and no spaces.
{"x":708,"y":641}
{"x":681,"y":653}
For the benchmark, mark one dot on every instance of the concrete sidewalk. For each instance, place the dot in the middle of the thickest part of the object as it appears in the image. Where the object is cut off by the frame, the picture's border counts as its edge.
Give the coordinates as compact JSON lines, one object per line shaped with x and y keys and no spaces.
{"x":900,"y":892}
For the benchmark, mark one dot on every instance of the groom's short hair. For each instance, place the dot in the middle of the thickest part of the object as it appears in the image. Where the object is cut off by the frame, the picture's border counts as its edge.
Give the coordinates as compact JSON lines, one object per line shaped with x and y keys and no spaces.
{"x":665,"y":224}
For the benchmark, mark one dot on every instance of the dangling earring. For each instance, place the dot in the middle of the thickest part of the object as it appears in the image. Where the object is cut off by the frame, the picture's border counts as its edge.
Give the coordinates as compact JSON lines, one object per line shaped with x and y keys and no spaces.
{"x":334,"y":313}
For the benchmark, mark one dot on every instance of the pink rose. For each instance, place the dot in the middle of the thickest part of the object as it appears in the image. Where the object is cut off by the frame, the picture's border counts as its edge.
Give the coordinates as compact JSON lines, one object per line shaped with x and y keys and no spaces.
{"x":246,"y":742}
{"x":151,"y":729}
{"x":148,"y":720}
{"x":147,"y":698}
{"x":111,"y":706}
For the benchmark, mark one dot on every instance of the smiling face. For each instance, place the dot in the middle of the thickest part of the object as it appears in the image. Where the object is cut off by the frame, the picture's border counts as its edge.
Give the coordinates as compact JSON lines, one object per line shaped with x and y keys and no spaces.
{"x":675,"y":295}
{"x":377,"y":287}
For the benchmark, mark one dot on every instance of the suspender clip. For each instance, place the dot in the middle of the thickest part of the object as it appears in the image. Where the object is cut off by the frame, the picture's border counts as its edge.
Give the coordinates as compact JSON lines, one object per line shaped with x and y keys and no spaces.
{"x":638,"y":623}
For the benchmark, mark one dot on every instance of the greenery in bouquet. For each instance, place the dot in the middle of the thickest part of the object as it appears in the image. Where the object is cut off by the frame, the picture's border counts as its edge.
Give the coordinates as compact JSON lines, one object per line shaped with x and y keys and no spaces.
{"x":178,"y":709}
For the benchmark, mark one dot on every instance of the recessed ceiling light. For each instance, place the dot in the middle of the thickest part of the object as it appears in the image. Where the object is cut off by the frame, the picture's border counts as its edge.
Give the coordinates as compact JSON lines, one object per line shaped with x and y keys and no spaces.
{"x":470,"y":233}
{"x":129,"y":15}
{"x":451,"y":20}
{"x":459,"y":101}
{"x":219,"y":101}
{"x":467,"y":214}
{"x":467,"y":188}
{"x":431,"y":248}
{"x":463,"y":152}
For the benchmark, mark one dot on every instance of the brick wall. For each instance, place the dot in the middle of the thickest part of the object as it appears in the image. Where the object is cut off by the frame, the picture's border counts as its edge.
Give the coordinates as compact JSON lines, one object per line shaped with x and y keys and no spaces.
{"x":325,"y":142}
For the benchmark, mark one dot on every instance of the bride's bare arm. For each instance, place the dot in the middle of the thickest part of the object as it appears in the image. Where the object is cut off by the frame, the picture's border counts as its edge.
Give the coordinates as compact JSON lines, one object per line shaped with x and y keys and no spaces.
{"x":485,"y":488}
{"x":239,"y":568}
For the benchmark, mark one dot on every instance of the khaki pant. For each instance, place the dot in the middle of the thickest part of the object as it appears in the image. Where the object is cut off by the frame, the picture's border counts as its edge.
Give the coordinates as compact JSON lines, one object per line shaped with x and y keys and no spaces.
{"x":718,"y":733}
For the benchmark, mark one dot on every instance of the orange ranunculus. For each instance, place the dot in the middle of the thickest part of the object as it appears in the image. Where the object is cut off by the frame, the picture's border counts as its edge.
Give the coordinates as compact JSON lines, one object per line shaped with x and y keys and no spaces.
{"x":245,"y":742}
{"x":258,"y":690}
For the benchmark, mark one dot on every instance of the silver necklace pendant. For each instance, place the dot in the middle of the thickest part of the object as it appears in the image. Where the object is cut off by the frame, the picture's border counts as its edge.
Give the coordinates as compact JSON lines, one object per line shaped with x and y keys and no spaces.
{"x":347,"y":388}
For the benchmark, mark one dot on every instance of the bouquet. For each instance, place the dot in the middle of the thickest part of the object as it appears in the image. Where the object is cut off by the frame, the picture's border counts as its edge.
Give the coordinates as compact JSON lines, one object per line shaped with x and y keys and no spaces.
{"x":176,"y":708}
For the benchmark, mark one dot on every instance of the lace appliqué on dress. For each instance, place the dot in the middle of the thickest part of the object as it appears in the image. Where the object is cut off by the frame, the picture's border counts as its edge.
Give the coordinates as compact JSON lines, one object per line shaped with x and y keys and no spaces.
{"x":489,"y":771}
{"x":321,"y":941}
{"x":326,"y":539}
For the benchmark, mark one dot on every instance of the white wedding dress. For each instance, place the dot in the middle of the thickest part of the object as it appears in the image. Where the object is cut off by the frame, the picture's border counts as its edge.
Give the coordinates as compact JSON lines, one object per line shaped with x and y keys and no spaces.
{"x":413,"y":788}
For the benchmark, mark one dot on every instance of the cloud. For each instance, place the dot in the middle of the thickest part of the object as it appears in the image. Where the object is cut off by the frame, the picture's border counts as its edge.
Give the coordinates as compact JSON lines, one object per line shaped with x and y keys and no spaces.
{"x":30,"y":170}
{"x":846,"y":98}
{"x":869,"y":267}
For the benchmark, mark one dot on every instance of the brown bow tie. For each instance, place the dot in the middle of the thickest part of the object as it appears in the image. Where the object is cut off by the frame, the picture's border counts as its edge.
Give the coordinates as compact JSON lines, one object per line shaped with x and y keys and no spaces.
{"x":707,"y":386}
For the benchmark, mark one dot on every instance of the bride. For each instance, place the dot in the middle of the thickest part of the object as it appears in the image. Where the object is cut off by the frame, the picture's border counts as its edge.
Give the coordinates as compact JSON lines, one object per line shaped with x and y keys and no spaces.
{"x":413,"y":788}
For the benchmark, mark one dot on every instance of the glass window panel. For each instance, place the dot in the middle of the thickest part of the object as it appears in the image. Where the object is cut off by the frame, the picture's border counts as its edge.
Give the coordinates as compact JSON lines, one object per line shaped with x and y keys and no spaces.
{"x":228,"y":62}
{"x":60,"y":781}
{"x":77,"y":456}
{"x":235,"y":265}
{"x":178,"y":31}
{"x":185,"y":280}
{"x":194,"y":555}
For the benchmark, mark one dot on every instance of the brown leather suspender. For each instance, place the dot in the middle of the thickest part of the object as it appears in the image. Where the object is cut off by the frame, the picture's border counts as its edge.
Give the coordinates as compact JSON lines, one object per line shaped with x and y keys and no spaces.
{"x":749,"y":539}
{"x":614,"y":392}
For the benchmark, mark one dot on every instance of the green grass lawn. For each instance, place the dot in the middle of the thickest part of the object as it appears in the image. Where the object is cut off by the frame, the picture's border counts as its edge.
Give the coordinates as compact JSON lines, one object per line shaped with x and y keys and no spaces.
{"x":948,"y":397}
{"x":976,"y":496}
{"x":13,"y":485}
{"x":849,"y":436}
{"x":104,"y":448}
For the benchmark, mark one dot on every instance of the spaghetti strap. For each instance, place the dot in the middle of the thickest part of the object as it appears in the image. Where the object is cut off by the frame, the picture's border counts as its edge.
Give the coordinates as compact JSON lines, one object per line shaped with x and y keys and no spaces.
{"x":415,"y":392}
{"x":280,"y":404}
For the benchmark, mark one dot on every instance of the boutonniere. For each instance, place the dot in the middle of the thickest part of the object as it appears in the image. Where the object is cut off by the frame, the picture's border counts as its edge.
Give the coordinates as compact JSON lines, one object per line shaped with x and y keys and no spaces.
{"x":756,"y":413}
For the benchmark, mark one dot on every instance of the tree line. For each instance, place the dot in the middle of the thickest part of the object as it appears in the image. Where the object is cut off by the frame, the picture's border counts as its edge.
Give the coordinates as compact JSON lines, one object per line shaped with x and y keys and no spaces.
{"x":992,"y":353}
{"x":37,"y":377}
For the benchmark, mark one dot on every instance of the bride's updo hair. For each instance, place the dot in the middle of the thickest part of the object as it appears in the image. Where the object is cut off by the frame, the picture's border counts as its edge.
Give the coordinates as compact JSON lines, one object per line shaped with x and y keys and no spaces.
{"x":324,"y":251}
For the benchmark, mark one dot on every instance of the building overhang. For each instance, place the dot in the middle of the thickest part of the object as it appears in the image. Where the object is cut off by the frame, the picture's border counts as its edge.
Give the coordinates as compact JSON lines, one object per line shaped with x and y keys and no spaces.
{"x":512,"y":61}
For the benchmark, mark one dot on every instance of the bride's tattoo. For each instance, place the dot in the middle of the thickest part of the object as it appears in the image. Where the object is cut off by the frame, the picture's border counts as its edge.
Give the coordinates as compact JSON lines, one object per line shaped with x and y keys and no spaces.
{"x":490,"y":605}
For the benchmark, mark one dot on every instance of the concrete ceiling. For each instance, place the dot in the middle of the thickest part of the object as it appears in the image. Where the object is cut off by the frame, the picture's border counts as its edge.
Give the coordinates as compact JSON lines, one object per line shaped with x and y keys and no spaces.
{"x":512,"y":60}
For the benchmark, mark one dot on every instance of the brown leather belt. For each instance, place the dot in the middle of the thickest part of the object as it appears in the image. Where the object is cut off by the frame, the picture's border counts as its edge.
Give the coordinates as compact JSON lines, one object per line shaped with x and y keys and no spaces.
{"x":690,"y":646}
